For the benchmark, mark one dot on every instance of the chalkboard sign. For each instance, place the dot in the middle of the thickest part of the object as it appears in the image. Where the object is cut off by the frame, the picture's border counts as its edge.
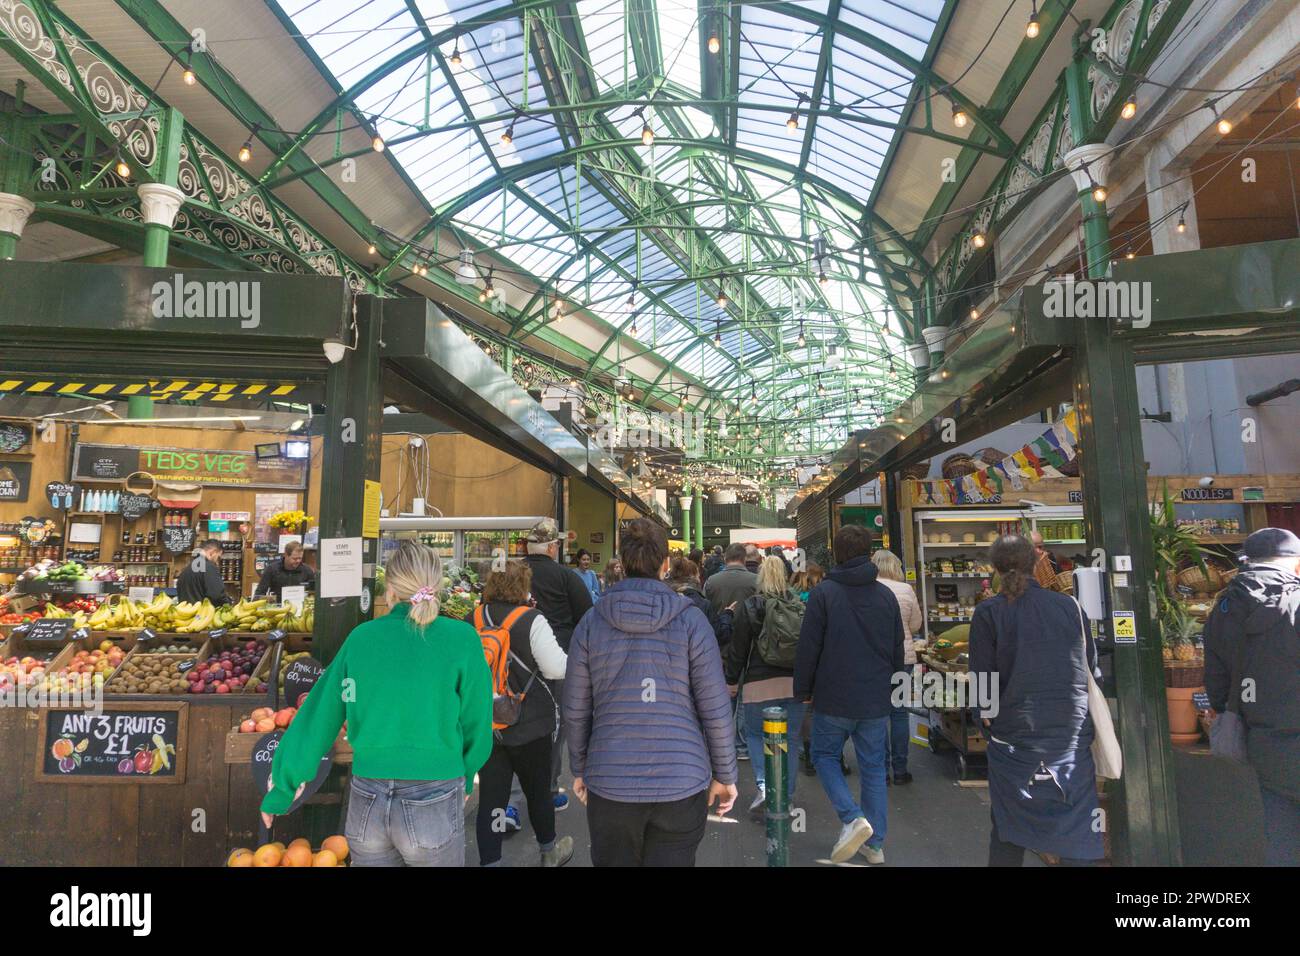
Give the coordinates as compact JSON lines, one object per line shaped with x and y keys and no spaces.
{"x":300,"y":678}
{"x":15,"y":480}
{"x":127,"y":743}
{"x":177,"y":540}
{"x":105,"y":462}
{"x":264,"y":754}
{"x":134,"y":506}
{"x":61,"y":494}
{"x":49,"y":629}
{"x":13,"y":436}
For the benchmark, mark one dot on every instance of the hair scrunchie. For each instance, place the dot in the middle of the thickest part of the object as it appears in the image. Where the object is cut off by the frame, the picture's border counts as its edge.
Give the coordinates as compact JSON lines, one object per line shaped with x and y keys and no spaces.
{"x":424,"y":594}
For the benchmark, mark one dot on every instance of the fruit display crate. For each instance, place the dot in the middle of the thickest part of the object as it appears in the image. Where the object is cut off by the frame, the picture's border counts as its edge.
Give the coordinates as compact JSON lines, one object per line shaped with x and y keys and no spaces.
{"x":240,"y":747}
{"x":203,"y":648}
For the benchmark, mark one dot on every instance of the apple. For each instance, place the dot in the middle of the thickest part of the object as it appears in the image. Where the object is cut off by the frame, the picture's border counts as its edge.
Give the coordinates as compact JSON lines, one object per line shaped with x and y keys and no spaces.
{"x":265,"y":725}
{"x":284,"y":717}
{"x":247,"y":726}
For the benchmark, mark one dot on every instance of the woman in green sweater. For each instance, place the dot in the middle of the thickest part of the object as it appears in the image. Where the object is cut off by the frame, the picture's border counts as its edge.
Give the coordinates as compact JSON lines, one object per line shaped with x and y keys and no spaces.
{"x":416,"y":693}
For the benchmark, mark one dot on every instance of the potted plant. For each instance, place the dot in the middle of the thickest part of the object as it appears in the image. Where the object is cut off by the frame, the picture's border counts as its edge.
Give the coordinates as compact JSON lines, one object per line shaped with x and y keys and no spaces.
{"x":1176,"y":551}
{"x":290,"y":522}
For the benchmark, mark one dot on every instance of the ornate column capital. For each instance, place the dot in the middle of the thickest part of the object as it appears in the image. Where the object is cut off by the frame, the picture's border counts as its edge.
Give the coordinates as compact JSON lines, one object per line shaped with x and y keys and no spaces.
{"x":160,"y":203}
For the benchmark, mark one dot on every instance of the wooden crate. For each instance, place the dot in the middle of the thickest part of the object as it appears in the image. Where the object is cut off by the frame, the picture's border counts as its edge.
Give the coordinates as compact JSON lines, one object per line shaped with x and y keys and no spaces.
{"x":240,"y":747}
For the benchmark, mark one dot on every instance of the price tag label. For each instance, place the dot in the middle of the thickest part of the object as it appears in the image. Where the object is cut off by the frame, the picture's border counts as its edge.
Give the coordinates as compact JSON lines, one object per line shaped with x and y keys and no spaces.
{"x":294,"y":595}
{"x":148,"y":634}
{"x":49,"y":629}
{"x":1200,"y":700}
{"x":140,"y":595}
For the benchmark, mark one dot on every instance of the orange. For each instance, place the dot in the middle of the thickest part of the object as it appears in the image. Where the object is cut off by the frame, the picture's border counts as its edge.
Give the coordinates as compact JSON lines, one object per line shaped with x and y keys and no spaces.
{"x":267,"y":855}
{"x":338,"y":845}
{"x":325,"y":858}
{"x":62,"y":748}
{"x":240,"y":857}
{"x":298,"y":854}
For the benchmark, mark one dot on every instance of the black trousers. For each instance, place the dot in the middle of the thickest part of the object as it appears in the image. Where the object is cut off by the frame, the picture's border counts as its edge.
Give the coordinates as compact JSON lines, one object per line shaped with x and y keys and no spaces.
{"x":531,"y":762}
{"x":646,"y":834}
{"x":1008,"y":854}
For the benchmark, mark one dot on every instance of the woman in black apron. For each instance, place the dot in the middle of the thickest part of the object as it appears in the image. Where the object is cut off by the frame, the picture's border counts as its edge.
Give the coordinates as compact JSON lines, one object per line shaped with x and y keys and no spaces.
{"x":1026,"y":648}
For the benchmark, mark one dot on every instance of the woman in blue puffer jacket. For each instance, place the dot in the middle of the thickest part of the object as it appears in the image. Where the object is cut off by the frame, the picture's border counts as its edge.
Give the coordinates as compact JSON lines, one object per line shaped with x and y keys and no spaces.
{"x":648,"y":715}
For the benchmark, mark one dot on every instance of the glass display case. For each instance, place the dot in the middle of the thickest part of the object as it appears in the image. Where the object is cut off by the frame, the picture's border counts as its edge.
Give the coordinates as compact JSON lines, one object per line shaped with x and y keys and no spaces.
{"x":461,"y":542}
{"x":952,"y":565}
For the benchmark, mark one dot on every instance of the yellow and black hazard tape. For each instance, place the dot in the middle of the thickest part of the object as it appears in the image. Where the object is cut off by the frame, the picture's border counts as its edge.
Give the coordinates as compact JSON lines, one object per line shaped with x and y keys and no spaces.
{"x":181,"y":389}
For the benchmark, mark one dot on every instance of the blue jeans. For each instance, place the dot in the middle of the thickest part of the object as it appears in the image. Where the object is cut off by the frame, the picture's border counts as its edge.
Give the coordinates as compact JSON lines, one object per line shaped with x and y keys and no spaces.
{"x":869,"y":740}
{"x":899,"y":735}
{"x":753,"y":716}
{"x":411,"y":822}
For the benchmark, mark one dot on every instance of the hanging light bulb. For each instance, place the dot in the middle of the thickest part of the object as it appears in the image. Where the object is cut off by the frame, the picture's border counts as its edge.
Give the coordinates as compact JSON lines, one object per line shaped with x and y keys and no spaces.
{"x":1225,"y":126}
{"x":370,"y":249}
{"x":647,"y":135}
{"x":717,"y":334}
{"x":792,"y":124}
{"x":122,"y":169}
{"x":714,"y":43}
{"x":455,"y":54}
{"x":1182,"y":223}
{"x":246,"y":151}
{"x":801,"y":340}
{"x":508,"y":134}
{"x":960,"y":118}
{"x":722,"y":298}
{"x":1033,"y":26}
{"x":557,"y":308}
{"x":631,"y":296}
{"x":189,"y":77}
{"x":1130,"y":254}
{"x":376,"y":141}
{"x":974,"y":314}
{"x":1129,"y":109}
{"x":633,"y":327}
{"x":822,"y":280}
{"x":979,"y":240}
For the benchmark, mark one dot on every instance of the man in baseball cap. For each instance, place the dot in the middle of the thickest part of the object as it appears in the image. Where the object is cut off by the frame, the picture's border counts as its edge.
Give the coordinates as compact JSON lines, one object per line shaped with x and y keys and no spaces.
{"x":563,"y":599}
{"x":1252,"y":645}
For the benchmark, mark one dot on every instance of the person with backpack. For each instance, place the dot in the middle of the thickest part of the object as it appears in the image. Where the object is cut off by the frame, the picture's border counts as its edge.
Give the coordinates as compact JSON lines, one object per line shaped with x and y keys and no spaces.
{"x":684,"y":578}
{"x":1252,"y":639}
{"x":417,"y":698}
{"x":649,"y":721}
{"x":850,"y":647}
{"x":523,"y":656}
{"x":760,"y":661}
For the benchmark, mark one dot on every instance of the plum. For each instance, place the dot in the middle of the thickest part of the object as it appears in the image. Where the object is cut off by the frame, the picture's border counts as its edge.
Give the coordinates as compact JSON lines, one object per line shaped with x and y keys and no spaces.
{"x":67,"y":765}
{"x":125,"y":765}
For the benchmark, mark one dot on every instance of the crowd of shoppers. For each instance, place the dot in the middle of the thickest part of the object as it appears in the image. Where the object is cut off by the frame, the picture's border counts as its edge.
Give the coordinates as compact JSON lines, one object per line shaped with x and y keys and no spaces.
{"x":634,"y":681}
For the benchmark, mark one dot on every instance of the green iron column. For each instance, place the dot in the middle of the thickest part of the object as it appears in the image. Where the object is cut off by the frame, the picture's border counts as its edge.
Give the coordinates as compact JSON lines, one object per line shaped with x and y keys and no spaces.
{"x":1143,"y":804}
{"x":160,"y":200}
{"x":685,"y":502}
{"x":15,"y":168}
{"x":352,"y":435}
{"x":699,"y":518}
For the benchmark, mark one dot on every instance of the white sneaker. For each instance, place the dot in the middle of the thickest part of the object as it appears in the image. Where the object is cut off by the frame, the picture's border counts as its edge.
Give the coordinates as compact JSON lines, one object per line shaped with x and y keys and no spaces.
{"x":852,"y":836}
{"x":758,"y":808}
{"x":874,"y":854}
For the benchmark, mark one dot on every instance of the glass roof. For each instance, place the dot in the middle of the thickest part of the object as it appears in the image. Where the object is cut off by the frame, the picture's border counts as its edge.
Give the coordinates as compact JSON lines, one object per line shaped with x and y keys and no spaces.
{"x":532,"y":145}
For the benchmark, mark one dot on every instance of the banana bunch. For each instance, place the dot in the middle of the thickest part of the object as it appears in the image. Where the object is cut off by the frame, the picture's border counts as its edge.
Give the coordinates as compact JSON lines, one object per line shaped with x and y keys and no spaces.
{"x":124,"y":615}
{"x":301,"y":621}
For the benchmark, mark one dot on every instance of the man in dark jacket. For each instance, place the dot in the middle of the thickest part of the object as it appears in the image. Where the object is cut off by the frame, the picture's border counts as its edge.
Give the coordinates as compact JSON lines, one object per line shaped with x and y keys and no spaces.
{"x":202,"y":577}
{"x":1254,"y":633}
{"x":733,"y":583}
{"x":850,"y":646}
{"x":563,"y":599}
{"x":286,"y":571}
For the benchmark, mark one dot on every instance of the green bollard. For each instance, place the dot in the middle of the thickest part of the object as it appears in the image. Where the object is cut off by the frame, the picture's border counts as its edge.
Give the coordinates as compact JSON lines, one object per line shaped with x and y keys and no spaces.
{"x":776,"y":751}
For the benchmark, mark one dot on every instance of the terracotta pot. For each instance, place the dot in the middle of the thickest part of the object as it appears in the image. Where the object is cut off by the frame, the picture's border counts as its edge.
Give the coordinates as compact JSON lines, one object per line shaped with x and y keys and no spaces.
{"x":1182,"y":712}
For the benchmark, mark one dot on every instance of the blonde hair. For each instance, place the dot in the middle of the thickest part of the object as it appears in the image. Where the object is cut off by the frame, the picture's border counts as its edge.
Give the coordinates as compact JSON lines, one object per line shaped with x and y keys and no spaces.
{"x":411,"y":569}
{"x":888,"y":565}
{"x":771,"y":576}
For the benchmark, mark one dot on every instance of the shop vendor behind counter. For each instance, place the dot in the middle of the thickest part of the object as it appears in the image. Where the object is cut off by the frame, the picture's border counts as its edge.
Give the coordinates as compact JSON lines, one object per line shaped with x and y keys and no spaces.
{"x":286,"y":571}
{"x":201,"y":578}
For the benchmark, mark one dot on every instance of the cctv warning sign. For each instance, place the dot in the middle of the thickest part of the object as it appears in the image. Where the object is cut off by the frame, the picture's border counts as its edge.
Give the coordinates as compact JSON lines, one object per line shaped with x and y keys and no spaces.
{"x":1125,"y":627}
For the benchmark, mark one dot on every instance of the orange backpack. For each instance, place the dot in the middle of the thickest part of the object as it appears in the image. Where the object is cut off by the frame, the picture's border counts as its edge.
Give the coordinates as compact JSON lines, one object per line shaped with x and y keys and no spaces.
{"x":506,"y":704}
